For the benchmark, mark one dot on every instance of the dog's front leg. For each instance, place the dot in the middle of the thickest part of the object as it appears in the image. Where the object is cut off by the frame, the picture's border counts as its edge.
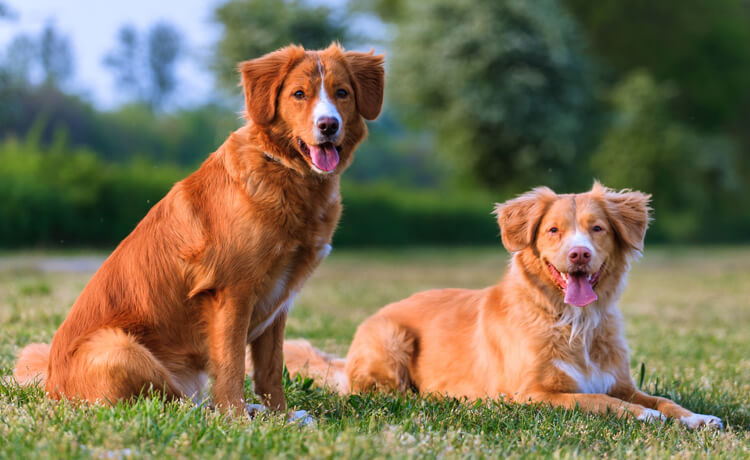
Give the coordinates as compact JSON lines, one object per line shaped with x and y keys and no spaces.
{"x":227,"y":335}
{"x":266,"y":350}
{"x":598,"y":403}
{"x":671,"y":409}
{"x":268,"y":364}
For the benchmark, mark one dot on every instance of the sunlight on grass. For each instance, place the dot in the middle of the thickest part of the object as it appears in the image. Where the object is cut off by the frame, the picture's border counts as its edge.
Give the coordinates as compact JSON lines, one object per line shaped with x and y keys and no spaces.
{"x":687,"y":315}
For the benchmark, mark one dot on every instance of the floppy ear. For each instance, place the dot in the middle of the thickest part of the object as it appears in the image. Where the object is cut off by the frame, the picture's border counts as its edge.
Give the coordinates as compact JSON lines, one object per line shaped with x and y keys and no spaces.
{"x":262,"y":79}
{"x":369,"y":82}
{"x":629,"y":212}
{"x":519,"y":218}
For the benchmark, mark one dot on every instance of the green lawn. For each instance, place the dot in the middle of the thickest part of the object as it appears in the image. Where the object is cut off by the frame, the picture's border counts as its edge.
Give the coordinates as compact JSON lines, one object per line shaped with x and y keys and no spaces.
{"x":688,"y":321}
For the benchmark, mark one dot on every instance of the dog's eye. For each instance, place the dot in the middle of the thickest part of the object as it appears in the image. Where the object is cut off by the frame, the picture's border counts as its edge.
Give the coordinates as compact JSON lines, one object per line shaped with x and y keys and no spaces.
{"x":597,"y":228}
{"x":553,"y":230}
{"x":341,"y":93}
{"x":299,"y":94}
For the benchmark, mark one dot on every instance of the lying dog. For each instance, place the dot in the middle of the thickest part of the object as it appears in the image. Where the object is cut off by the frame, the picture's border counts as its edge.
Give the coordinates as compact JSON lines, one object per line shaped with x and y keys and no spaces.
{"x":549,"y":331}
{"x":216,"y":264}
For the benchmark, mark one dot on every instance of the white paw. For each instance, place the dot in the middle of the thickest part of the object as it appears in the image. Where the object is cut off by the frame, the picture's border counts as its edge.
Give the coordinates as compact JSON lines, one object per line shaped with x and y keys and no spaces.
{"x":699,"y":420}
{"x":324,"y":251}
{"x":301,"y":418}
{"x":651,"y":415}
{"x":255,"y":409}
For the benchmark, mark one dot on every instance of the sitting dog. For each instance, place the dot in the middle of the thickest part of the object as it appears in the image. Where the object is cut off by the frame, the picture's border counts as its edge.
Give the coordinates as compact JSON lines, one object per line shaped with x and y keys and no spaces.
{"x":550,"y":331}
{"x":216,"y":264}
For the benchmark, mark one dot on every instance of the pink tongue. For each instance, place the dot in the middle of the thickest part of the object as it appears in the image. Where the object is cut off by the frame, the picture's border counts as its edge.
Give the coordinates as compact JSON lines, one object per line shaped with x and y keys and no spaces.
{"x":325,"y":156}
{"x":579,"y":291}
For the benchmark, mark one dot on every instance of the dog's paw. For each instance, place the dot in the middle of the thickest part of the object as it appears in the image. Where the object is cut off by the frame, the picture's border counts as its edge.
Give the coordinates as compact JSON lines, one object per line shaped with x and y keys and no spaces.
{"x":301,"y":418}
{"x":255,"y":409}
{"x":699,"y":420}
{"x":324,"y":251}
{"x":651,"y":415}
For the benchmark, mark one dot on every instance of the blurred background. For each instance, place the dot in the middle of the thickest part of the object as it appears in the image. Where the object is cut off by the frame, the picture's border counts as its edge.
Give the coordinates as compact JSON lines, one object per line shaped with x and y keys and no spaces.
{"x":104,"y":105}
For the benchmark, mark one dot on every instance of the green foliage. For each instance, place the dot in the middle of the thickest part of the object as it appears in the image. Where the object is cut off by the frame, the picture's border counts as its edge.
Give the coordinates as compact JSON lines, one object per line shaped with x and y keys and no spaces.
{"x":184,"y":137}
{"x":691,"y":177}
{"x":256,"y":27}
{"x":393,"y":154}
{"x":506,"y":87}
{"x":387,"y":10}
{"x":702,"y":47}
{"x":62,"y":196}
{"x":391,"y":215}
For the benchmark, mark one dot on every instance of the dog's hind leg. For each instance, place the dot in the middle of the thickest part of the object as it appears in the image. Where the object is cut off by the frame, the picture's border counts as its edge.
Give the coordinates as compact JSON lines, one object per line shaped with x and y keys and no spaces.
{"x":109,"y":365}
{"x":380,"y":356}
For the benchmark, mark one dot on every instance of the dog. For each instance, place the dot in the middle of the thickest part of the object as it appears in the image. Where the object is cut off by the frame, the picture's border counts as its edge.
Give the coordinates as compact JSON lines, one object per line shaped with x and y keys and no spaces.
{"x":216,"y":264}
{"x":550,"y":331}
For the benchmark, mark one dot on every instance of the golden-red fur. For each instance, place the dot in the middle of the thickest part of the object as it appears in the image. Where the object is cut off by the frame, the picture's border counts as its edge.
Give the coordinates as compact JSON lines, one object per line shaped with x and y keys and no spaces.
{"x":215,"y":264}
{"x":518,"y":339}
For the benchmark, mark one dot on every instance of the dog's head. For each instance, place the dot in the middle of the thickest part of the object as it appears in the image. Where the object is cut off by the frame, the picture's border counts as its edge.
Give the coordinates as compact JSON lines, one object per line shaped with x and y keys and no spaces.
{"x":578,"y":243}
{"x":312,"y":103}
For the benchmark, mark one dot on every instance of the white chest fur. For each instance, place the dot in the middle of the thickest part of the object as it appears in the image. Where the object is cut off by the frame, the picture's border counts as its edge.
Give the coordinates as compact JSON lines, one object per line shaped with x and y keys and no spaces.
{"x":589,"y":380}
{"x":281,"y":297}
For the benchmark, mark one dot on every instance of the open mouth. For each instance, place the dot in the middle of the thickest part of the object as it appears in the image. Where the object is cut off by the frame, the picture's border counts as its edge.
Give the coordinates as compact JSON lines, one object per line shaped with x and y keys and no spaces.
{"x":578,"y":286}
{"x":324,"y":157}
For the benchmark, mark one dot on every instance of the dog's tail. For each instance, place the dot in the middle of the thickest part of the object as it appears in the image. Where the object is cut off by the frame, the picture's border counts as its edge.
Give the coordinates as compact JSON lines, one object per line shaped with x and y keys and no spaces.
{"x":326,"y":370}
{"x":32,"y":365}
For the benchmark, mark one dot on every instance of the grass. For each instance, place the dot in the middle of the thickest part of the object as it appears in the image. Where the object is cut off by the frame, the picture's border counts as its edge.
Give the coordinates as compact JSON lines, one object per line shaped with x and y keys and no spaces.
{"x":688,"y":322}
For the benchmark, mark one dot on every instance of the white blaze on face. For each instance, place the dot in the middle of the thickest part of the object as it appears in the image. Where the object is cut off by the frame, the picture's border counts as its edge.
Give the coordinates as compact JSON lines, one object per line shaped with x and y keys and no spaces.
{"x":582,"y":240}
{"x":324,"y":108}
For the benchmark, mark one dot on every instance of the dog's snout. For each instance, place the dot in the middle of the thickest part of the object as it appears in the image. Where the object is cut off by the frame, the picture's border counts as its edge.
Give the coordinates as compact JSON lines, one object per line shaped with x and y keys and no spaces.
{"x":328,"y":126}
{"x":579,"y":255}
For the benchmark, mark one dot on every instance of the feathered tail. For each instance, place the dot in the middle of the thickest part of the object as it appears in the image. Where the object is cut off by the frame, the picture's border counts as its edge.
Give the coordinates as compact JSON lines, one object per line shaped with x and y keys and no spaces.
{"x":32,"y":365}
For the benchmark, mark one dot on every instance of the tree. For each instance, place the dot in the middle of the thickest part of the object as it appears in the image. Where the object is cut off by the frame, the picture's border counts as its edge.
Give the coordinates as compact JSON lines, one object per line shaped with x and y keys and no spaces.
{"x":21,"y":55}
{"x":124,"y":62}
{"x":702,"y":47}
{"x":506,"y":87}
{"x":164,"y":47}
{"x":55,"y":56}
{"x":390,"y":11}
{"x":255,"y":27}
{"x":146,"y":70}
{"x":692,"y":177}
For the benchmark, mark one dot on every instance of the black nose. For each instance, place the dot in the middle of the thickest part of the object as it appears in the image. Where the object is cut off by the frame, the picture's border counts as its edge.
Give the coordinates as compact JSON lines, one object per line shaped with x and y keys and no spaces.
{"x":328,"y":126}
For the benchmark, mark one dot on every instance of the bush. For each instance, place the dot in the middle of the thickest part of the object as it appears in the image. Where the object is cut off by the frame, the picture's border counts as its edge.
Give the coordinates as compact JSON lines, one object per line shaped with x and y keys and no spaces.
{"x":68,"y":196}
{"x":58,"y":195}
{"x":386,"y":215}
{"x":54,"y":196}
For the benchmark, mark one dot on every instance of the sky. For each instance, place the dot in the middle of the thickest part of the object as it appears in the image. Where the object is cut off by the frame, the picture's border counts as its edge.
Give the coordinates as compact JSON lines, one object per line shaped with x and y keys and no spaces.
{"x":92,"y":27}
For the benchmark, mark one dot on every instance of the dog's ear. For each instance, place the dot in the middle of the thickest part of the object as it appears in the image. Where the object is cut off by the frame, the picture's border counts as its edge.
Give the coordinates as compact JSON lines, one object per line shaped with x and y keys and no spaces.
{"x":262,"y":79}
{"x":519,"y":218}
{"x":629,"y":212}
{"x":369,"y":82}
